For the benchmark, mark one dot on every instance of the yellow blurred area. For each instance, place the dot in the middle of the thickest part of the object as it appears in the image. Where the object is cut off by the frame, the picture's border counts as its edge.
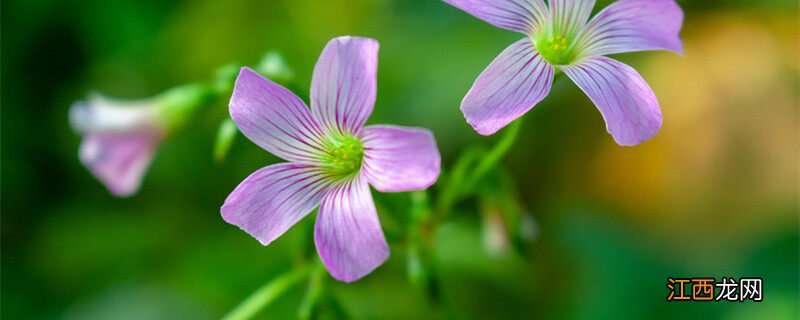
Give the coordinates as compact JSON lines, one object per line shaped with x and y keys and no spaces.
{"x":728,"y":149}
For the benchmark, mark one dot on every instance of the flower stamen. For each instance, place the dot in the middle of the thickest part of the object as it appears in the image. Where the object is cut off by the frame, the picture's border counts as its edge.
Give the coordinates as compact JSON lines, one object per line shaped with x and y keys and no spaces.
{"x":556,"y":50}
{"x":345,"y":154}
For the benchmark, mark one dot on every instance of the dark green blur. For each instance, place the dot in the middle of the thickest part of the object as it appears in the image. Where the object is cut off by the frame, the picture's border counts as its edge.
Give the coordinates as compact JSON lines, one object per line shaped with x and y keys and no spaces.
{"x":571,"y":226}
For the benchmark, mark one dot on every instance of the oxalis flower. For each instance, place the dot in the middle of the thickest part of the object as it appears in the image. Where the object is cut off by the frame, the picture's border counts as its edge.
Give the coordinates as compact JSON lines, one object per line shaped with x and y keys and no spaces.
{"x":559,"y":37}
{"x":120,"y":137}
{"x":332,"y":158}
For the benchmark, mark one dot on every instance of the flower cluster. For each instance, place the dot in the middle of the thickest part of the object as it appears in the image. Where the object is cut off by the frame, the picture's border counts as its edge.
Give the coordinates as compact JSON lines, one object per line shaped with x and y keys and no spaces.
{"x":332,"y":157}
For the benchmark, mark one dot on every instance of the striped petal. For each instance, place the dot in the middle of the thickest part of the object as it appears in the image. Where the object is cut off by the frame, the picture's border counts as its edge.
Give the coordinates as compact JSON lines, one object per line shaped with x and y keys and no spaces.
{"x":634,"y":25}
{"x":570,"y":16}
{"x":275,"y":119}
{"x":510,"y":86}
{"x":398,"y":159}
{"x":343,"y":86}
{"x":119,"y":161}
{"x":348,"y":234}
{"x":274,"y":198}
{"x":628,"y":105}
{"x":525,"y":16}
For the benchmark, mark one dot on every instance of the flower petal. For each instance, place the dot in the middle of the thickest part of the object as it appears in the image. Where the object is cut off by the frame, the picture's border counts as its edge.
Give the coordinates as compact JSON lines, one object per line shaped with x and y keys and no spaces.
{"x":400,"y":159}
{"x":119,"y":161}
{"x":101,"y":114}
{"x":628,"y":105}
{"x":525,"y":16}
{"x":569,"y":16}
{"x":274,"y":198}
{"x":510,"y":86}
{"x":348,"y":234}
{"x":634,"y":25}
{"x":343,"y":86}
{"x":275,"y":119}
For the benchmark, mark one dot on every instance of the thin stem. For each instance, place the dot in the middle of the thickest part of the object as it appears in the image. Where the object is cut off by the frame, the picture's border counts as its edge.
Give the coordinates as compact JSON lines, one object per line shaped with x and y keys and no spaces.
{"x":315,"y":289}
{"x":268,"y":293}
{"x":464,"y":178}
{"x":420,"y":217}
{"x":456,"y":180}
{"x":419,"y":245}
{"x":496,"y":154}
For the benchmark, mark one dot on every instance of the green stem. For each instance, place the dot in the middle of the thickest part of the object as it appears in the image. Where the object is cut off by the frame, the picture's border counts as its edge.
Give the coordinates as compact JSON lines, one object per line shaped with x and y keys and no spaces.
{"x":315,"y":288}
{"x":496,"y":154}
{"x":456,"y":178}
{"x":419,"y":245}
{"x":178,"y":104}
{"x":419,"y":218}
{"x":267,"y":294}
{"x":464,"y":178}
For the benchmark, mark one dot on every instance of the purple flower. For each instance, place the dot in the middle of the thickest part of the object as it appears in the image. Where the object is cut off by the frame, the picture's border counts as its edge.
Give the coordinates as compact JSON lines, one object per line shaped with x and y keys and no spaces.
{"x":560,"y":37}
{"x":332,"y":157}
{"x":119,"y":140}
{"x":120,"y":137}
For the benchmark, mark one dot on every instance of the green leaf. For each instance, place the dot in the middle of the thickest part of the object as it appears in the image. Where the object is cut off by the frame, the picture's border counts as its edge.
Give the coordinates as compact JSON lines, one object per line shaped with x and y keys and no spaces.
{"x":225,"y":137}
{"x":274,"y":67}
{"x":268,"y":293}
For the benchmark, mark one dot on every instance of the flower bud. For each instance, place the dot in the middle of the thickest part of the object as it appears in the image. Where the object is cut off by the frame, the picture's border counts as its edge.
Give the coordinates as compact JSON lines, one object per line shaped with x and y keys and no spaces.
{"x":120,"y":137}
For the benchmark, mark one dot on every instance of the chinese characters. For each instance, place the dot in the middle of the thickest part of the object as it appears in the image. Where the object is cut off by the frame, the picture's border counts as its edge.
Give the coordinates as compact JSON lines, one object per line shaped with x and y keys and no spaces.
{"x":708,"y":289}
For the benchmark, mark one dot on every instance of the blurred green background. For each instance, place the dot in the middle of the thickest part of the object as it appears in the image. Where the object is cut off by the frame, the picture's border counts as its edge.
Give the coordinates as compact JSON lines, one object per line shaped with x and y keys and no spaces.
{"x":715,"y":193}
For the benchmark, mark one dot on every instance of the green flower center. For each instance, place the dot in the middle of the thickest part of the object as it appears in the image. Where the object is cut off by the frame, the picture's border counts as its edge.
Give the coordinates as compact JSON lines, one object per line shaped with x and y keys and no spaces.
{"x":557,"y":50}
{"x":344,"y":156}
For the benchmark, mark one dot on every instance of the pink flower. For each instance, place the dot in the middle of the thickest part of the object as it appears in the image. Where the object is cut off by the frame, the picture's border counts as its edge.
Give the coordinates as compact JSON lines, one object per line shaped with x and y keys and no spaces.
{"x":559,"y":37}
{"x":120,"y":137}
{"x":332,"y":158}
{"x":119,"y":140}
